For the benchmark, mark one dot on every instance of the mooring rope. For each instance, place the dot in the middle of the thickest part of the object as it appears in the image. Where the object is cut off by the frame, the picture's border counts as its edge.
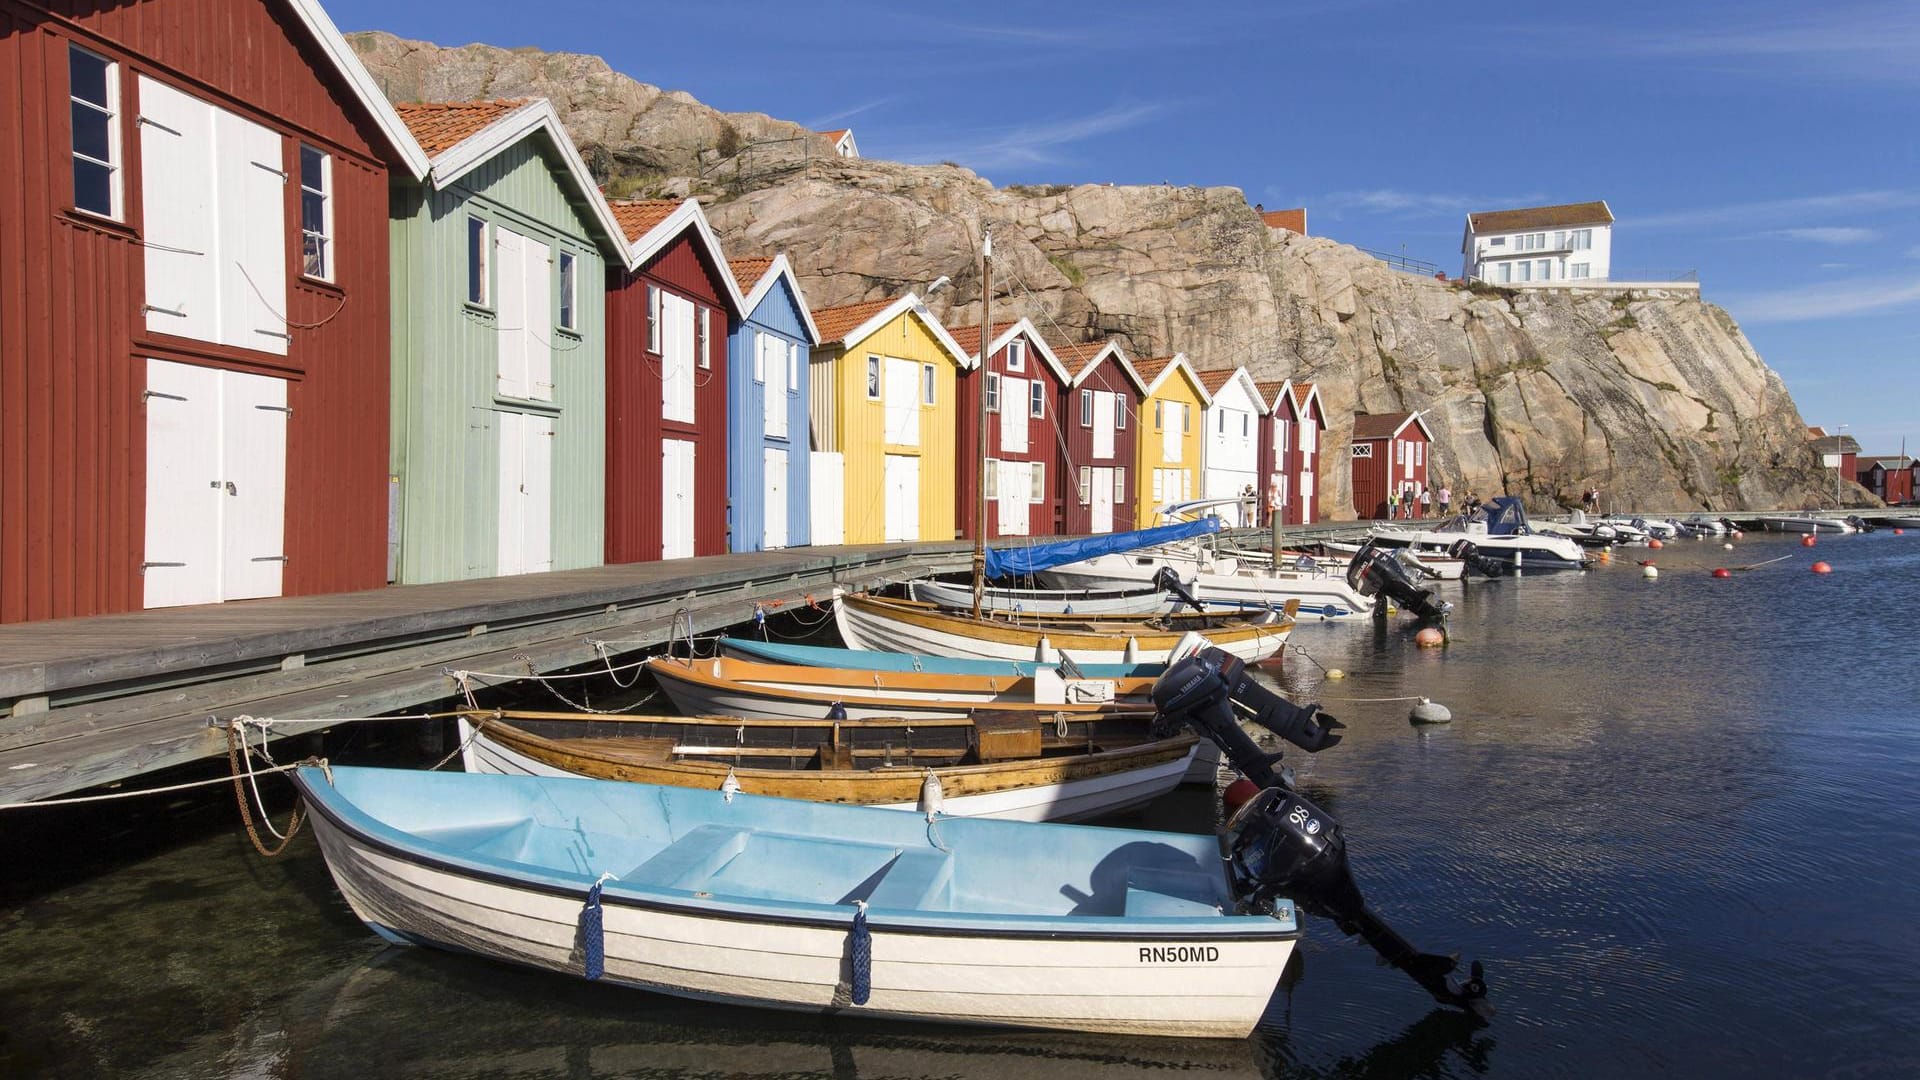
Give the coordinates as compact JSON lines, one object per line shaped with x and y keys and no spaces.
{"x":235,"y":740}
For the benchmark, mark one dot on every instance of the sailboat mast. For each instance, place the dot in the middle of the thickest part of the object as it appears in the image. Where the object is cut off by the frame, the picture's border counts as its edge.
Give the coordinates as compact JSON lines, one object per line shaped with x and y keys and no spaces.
{"x":980,"y":431}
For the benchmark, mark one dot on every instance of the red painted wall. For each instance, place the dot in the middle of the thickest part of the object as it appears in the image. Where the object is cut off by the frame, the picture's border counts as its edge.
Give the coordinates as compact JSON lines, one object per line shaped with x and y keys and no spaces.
{"x":635,"y":428}
{"x":1373,"y":477}
{"x":1078,"y":519}
{"x":1291,"y":463}
{"x":1043,"y":518}
{"x":73,"y":342}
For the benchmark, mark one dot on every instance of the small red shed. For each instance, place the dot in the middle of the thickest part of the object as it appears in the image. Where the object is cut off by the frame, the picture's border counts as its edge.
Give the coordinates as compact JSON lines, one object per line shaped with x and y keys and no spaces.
{"x":1100,"y":414}
{"x":194,"y":336}
{"x":667,"y":326}
{"x":1023,"y":381}
{"x":1290,"y":450}
{"x":1891,"y":477}
{"x":1389,"y":455}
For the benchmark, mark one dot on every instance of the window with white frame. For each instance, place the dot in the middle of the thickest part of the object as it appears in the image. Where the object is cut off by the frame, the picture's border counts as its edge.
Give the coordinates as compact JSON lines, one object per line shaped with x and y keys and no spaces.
{"x":760,"y":356}
{"x":1037,"y":398}
{"x":1016,"y":355}
{"x":1158,"y":417}
{"x":1086,"y":408}
{"x":1577,"y":271}
{"x":1119,"y":485}
{"x":926,"y":384}
{"x":1419,"y":454}
{"x":991,"y":478}
{"x":653,"y":318}
{"x":1526,"y":269}
{"x":1279,"y":443}
{"x":569,"y":291}
{"x":1246,"y":424}
{"x":1086,"y":485}
{"x":1309,"y":437}
{"x":1544,"y":267}
{"x":1498,"y":241}
{"x":873,"y":378}
{"x":993,"y":392}
{"x":1037,"y":481}
{"x":1560,"y":240}
{"x":93,"y":90}
{"x":1120,"y":412}
{"x":1582,"y":239}
{"x":793,"y":367}
{"x":316,"y":213}
{"x":1506,"y":272}
{"x":478,"y":277}
{"x":703,"y":345}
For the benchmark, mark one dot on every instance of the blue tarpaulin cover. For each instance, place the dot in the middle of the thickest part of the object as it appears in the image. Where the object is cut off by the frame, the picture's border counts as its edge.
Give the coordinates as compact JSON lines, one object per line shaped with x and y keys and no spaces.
{"x":1506,"y":516}
{"x":1016,"y":562}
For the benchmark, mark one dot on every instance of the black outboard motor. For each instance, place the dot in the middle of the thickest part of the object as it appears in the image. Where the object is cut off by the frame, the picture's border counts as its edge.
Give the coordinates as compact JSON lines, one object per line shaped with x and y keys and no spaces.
{"x":1281,"y":844}
{"x":1480,"y":564}
{"x":1377,"y":571}
{"x":1169,"y":582}
{"x":1859,"y":523}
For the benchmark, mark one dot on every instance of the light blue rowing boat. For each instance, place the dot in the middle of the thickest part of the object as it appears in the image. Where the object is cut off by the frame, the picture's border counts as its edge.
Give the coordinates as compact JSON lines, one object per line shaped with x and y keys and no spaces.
{"x":773,"y":652}
{"x":752,"y":900}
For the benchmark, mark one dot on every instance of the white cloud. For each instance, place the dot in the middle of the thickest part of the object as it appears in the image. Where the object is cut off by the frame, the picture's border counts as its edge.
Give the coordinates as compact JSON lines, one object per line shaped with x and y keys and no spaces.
{"x":1831,"y":234}
{"x":1852,"y":296}
{"x":1413,"y":203}
{"x":1032,"y":144}
{"x":827,"y":121}
{"x":1874,"y":41}
{"x":1835,"y":266}
{"x":1800,"y":208}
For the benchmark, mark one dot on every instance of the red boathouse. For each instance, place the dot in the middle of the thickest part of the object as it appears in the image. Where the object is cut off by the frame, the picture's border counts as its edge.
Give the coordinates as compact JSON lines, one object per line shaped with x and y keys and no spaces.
{"x":1100,"y":417}
{"x":1290,"y":450}
{"x":1023,"y":380}
{"x":1389,"y":455}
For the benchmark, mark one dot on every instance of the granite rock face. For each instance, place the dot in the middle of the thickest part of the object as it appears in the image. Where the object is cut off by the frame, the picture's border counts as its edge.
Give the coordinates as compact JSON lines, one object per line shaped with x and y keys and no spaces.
{"x":1654,"y":396}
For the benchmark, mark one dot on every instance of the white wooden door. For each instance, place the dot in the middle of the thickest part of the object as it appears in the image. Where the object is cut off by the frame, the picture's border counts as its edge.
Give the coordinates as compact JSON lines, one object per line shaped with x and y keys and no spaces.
{"x":1103,"y":410}
{"x":510,"y":552}
{"x":184,"y":492}
{"x":1102,"y":495}
{"x":179,"y":226}
{"x":1174,"y":418}
{"x":510,"y":313}
{"x":676,"y":499}
{"x":902,"y":396}
{"x":902,"y":497}
{"x":826,"y":479}
{"x":536,"y":330}
{"x":773,"y":365}
{"x":1016,"y":479}
{"x":775,"y":498}
{"x":1013,"y":415}
{"x":251,"y":184}
{"x":253,"y":440}
{"x":676,"y":358}
{"x":1306,"y":498}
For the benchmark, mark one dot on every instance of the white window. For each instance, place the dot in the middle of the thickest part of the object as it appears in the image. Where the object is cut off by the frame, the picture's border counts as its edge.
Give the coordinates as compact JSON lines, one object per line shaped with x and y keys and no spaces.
{"x":760,"y":356}
{"x":1037,"y":478}
{"x":1545,"y":268}
{"x":1578,"y":270}
{"x":793,"y":367}
{"x":1037,"y":398}
{"x":653,"y":319}
{"x":316,"y":213}
{"x":703,"y":346}
{"x":1120,"y":412}
{"x":1220,"y":422}
{"x":1086,"y":409}
{"x":1526,"y":270}
{"x":1279,"y":443}
{"x":1086,"y":485}
{"x":1560,"y":240}
{"x":1582,"y":239}
{"x":479,"y":280}
{"x":926,"y":384}
{"x":1498,"y":241}
{"x":1158,"y":425}
{"x":992,"y":478}
{"x":93,"y":87}
{"x":1016,"y":356}
{"x":1363,"y":449}
{"x":993,"y":392}
{"x":1419,"y":453}
{"x":873,"y":378}
{"x":1506,"y":272}
{"x":569,"y":291}
{"x":1309,"y":437}
{"x":1119,"y":485}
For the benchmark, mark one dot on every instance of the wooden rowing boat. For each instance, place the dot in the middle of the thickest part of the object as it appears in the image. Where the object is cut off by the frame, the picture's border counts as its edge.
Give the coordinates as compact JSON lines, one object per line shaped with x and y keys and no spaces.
{"x":868,"y":622}
{"x":726,"y":686}
{"x":1003,"y":767}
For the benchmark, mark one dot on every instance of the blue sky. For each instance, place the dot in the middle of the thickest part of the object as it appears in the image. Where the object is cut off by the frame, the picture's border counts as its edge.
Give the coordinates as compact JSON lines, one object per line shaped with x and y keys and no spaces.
{"x":1773,"y":147}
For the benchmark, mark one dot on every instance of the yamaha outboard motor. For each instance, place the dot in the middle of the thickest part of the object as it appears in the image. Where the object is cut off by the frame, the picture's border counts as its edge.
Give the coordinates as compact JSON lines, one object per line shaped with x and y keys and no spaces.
{"x":1280,"y":843}
{"x":1483,"y":565}
{"x":1169,"y":582}
{"x":1376,"y":571}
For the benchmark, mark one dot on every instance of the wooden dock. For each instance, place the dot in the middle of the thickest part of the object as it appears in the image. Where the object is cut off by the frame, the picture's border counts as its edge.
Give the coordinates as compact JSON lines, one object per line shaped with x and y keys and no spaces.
{"x":92,"y":701}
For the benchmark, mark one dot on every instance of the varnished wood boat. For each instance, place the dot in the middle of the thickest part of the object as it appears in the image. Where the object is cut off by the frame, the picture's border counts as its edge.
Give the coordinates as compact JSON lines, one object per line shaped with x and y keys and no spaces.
{"x":1001,"y":767}
{"x":868,"y":622}
{"x":726,"y":686}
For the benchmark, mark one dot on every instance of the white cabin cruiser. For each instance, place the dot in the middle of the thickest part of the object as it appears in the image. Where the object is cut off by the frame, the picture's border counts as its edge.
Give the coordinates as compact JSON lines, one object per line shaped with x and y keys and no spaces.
{"x":1498,"y":530}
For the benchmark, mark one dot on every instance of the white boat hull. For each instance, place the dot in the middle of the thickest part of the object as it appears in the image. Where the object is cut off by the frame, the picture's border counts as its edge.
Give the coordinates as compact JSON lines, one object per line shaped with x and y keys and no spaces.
{"x":863,"y":630}
{"x":1043,"y":601}
{"x":1324,"y":597}
{"x":1120,"y":983}
{"x":1533,"y":551}
{"x":766,"y":699}
{"x":1075,"y":800}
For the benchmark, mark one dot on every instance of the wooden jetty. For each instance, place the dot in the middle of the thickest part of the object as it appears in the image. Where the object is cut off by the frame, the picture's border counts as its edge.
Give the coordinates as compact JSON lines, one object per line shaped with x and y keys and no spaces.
{"x":92,"y":701}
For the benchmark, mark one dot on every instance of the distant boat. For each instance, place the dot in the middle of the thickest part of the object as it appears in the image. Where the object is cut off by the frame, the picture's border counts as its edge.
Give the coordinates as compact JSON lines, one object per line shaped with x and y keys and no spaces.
{"x":780,"y":652}
{"x":731,"y":687}
{"x":1503,"y":535}
{"x":1804,"y":524}
{"x":1133,"y":600}
{"x":1221,"y":582}
{"x":867,"y":622}
{"x":751,"y":900}
{"x":998,"y":770}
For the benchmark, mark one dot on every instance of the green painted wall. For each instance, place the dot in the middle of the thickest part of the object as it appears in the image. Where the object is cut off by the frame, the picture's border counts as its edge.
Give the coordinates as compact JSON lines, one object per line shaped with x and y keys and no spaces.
{"x":446,"y":449}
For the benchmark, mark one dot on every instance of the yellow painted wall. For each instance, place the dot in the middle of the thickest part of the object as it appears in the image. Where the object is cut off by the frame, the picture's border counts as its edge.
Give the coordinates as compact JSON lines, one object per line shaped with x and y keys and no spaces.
{"x":859,"y":425}
{"x":1176,"y":387}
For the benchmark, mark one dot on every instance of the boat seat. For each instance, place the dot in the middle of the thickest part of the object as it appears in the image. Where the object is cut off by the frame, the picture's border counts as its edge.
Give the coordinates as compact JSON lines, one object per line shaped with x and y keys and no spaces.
{"x":915,"y":879}
{"x":689,"y":861}
{"x":1171,"y":893}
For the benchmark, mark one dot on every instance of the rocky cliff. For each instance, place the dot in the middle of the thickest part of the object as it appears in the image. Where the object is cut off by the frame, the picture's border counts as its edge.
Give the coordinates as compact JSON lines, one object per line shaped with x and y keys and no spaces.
{"x":1654,"y":396}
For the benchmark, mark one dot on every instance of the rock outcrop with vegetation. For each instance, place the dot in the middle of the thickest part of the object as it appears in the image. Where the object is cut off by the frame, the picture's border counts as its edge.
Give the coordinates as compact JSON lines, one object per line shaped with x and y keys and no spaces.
{"x":1654,"y":396}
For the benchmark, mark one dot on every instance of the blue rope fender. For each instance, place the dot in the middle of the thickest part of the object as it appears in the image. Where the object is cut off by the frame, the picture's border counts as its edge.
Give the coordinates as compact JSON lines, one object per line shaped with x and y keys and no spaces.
{"x":592,"y":936}
{"x":862,"y":947}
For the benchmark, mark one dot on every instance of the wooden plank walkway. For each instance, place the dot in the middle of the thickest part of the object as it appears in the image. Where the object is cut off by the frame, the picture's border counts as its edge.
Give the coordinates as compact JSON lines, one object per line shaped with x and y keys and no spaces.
{"x":90,"y":701}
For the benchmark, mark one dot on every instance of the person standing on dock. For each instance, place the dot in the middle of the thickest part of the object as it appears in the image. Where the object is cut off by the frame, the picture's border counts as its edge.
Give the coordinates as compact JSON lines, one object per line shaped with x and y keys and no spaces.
{"x":1393,"y":503}
{"x":1446,"y":499}
{"x":1426,"y":503}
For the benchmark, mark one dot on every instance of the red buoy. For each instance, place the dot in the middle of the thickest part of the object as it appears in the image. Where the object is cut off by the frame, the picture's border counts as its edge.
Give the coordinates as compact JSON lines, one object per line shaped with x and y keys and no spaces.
{"x":1238,"y":793}
{"x":1899,"y":532}
{"x":1806,"y":541}
{"x":1737,"y":534}
{"x":1822,"y":568}
{"x":1721,"y":571}
{"x":1655,"y":543}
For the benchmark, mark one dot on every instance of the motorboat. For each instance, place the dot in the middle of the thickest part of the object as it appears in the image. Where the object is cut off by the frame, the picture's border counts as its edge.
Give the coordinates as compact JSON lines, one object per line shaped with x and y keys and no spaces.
{"x":1497,"y":531}
{"x":781,"y":652}
{"x":868,"y":622}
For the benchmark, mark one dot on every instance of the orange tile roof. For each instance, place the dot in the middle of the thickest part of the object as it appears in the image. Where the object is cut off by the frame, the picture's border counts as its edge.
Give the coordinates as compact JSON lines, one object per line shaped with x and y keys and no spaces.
{"x":1214,"y":380}
{"x":1301,"y":391}
{"x":748,"y":270}
{"x":441,"y":126}
{"x":1077,"y":357}
{"x":969,"y":336}
{"x":637,"y":217}
{"x":835,"y":323}
{"x":1290,"y":220}
{"x":835,"y":134}
{"x":1270,"y":390}
{"x":1150,"y":369}
{"x":1541,"y":217}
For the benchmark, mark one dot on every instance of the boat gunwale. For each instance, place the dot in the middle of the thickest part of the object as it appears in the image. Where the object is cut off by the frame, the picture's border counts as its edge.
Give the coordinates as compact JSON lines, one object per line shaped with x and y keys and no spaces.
{"x":1124,"y":705}
{"x":1144,"y":637}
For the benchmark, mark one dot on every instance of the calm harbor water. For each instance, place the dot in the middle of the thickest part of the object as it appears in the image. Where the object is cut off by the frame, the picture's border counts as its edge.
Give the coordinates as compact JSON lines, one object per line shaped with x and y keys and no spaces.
{"x":1675,"y":818}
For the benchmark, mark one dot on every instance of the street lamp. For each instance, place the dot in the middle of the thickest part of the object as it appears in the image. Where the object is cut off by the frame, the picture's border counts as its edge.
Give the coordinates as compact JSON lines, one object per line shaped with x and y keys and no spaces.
{"x":1839,"y":457}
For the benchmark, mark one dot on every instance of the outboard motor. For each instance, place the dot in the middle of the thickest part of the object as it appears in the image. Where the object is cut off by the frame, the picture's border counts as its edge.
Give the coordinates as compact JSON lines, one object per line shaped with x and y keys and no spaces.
{"x":1859,"y":523}
{"x":1478,"y":563}
{"x":1376,"y":571}
{"x":1280,"y":843}
{"x":1167,"y":581}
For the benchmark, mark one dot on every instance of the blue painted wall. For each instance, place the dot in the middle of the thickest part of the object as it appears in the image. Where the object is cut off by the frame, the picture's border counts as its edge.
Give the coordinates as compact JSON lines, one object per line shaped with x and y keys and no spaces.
{"x":779,"y":314}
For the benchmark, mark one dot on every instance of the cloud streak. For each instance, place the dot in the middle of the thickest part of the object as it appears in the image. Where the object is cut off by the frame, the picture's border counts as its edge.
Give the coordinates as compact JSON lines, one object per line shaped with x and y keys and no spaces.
{"x":1854,"y":296}
{"x":1032,"y":144}
{"x":1394,"y":202}
{"x":1874,"y":42}
{"x":827,"y":121}
{"x":1837,"y":235}
{"x":1800,"y":208}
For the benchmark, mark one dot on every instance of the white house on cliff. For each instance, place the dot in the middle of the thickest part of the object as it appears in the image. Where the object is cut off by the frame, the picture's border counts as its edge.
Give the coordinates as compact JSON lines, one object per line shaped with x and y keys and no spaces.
{"x":1539,"y":244}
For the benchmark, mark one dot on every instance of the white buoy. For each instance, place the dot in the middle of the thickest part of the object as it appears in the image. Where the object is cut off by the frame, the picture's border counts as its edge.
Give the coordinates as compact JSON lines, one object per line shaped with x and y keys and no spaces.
{"x":932,"y":799}
{"x":730,"y":786}
{"x":1649,"y":572}
{"x":1427,"y":711}
{"x":1336,"y":673}
{"x":1728,"y":546}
